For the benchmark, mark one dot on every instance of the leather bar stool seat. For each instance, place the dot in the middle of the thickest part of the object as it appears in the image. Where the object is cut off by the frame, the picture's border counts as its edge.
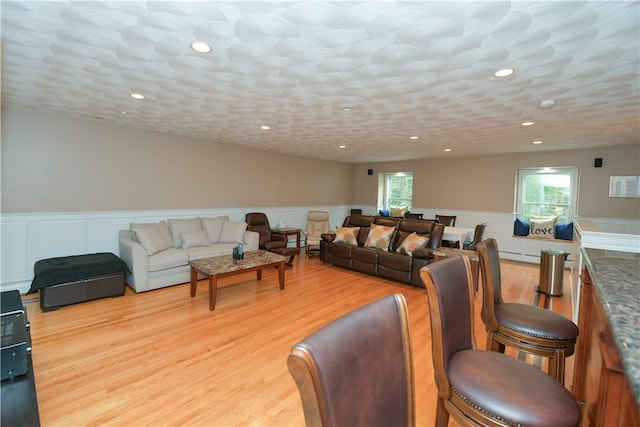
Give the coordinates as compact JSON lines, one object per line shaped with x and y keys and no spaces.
{"x":473,"y":376}
{"x":538,"y":323}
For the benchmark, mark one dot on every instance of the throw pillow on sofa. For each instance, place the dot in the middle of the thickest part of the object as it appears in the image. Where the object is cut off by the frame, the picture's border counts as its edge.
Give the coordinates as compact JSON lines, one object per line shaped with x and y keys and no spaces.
{"x":232,"y":232}
{"x":194,"y":239}
{"x":179,"y":226}
{"x":379,"y":237}
{"x":154,"y":237}
{"x":412,"y":242}
{"x":347,"y":235}
{"x":213,"y":227}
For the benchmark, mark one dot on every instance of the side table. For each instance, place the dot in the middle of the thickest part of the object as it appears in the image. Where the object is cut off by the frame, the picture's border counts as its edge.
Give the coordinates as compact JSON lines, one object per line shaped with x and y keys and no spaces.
{"x":288,"y":231}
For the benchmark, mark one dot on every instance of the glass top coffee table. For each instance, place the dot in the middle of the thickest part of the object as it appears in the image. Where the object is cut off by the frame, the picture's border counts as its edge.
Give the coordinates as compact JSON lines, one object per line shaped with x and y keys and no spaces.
{"x":225,"y":265}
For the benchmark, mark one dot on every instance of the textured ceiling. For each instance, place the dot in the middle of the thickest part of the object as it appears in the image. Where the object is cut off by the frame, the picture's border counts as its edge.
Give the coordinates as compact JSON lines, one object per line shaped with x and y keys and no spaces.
{"x":407,"y":68}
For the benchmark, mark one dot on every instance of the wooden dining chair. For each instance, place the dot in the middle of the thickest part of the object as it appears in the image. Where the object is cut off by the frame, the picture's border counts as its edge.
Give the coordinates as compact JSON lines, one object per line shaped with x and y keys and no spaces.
{"x":478,"y":387}
{"x":478,"y":233}
{"x":447,"y":220}
{"x":358,"y":370}
{"x":529,"y":328}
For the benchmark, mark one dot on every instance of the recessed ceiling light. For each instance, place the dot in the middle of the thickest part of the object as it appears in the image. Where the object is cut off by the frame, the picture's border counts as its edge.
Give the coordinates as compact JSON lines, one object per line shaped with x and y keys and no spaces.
{"x":346,"y":109}
{"x":537,"y":142}
{"x":124,"y":113}
{"x":265,"y":127}
{"x":413,"y":137}
{"x":137,"y":95}
{"x":547,"y":103}
{"x":447,"y":149}
{"x":527,"y":123}
{"x":201,"y":47}
{"x":505,"y":72}
{"x":342,"y":146}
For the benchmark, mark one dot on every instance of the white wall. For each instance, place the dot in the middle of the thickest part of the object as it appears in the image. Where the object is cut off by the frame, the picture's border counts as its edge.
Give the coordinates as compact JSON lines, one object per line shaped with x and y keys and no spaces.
{"x":27,"y":238}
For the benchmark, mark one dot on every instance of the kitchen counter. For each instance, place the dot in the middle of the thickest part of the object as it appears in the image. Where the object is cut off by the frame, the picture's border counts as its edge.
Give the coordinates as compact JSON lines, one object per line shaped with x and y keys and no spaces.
{"x":616,"y":280}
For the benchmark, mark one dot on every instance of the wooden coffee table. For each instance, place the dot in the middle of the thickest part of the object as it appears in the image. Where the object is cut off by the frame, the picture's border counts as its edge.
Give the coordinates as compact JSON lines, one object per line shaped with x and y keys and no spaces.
{"x":225,"y":265}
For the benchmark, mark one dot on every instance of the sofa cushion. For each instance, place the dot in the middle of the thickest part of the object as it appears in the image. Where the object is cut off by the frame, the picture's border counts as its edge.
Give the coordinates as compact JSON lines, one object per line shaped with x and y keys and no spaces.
{"x":194,"y":239}
{"x":365,"y":255}
{"x":169,"y":258}
{"x":347,"y":235}
{"x":411,"y":243}
{"x":151,"y":236}
{"x":213,"y":227}
{"x":394,"y":261}
{"x":179,"y":226}
{"x":232,"y":232}
{"x":543,"y":228}
{"x":209,"y":251}
{"x":379,"y":237}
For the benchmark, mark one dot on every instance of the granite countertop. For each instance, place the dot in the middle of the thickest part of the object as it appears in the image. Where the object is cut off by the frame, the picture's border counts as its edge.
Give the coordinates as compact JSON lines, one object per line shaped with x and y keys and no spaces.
{"x":616,"y":279}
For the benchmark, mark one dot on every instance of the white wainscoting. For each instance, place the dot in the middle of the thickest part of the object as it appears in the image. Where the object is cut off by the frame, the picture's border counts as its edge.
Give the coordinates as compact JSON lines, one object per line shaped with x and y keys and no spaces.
{"x":27,"y":238}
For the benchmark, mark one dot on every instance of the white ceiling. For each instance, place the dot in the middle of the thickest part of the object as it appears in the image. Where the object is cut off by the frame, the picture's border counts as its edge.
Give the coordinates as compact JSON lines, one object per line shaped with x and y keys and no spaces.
{"x":407,"y":68}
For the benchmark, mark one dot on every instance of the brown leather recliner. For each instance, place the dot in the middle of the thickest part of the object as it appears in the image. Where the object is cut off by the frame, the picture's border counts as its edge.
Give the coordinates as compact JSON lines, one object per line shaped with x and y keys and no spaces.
{"x":258,"y":222}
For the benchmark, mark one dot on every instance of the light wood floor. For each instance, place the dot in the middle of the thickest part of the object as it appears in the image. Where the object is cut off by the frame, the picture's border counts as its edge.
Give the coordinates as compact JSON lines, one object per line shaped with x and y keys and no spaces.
{"x":162,"y":358}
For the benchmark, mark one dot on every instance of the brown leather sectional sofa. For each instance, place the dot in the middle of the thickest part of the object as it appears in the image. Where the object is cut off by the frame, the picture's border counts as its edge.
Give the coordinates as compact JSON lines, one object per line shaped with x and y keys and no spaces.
{"x":388,"y":264}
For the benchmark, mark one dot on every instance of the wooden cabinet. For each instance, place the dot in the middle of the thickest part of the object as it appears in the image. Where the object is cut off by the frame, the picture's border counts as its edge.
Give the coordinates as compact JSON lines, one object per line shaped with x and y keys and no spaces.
{"x":599,"y":378}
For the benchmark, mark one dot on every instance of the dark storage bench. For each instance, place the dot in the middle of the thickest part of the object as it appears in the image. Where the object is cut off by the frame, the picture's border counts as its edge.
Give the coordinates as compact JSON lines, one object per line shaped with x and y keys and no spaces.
{"x":78,"y":278}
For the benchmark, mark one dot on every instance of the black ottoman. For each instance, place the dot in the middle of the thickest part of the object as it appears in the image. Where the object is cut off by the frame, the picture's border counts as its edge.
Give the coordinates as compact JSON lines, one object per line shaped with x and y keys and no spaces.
{"x":72,"y":279}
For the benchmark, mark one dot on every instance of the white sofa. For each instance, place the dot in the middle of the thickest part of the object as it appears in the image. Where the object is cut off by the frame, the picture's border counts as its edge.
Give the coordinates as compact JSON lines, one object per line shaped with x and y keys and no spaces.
{"x":158,"y":254}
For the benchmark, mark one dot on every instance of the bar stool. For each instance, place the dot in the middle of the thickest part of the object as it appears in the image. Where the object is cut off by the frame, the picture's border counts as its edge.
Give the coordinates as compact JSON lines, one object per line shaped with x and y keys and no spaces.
{"x":528,"y":328}
{"x":483,"y":388}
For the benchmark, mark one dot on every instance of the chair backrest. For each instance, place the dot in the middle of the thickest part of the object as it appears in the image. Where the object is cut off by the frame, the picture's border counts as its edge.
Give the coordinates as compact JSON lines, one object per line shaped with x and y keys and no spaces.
{"x":489,"y":260}
{"x":358,"y":369}
{"x":448,"y":220}
{"x":258,"y":222}
{"x":317,"y":223}
{"x":450,"y":296}
{"x":409,"y":215}
{"x":477,"y":236}
{"x":435,"y":240}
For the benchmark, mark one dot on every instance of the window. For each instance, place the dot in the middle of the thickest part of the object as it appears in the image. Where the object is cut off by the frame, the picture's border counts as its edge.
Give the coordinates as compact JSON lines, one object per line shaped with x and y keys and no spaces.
{"x":395,"y":190}
{"x":547,"y":192}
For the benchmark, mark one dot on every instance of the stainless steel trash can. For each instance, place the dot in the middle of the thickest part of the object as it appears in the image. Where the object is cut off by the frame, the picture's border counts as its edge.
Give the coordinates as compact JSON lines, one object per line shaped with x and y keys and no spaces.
{"x":551,"y":272}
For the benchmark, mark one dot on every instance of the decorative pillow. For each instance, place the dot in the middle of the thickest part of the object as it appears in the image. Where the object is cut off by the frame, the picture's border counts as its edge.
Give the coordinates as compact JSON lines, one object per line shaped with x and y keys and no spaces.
{"x":544,"y":229}
{"x":398,"y":211}
{"x":544,"y":218}
{"x":521,"y":228}
{"x":151,"y":236}
{"x":213,"y":227}
{"x":194,"y":239}
{"x":379,"y":237}
{"x":564,"y":231}
{"x":347,"y":235}
{"x":232,"y":232}
{"x":384,"y":212}
{"x":179,"y":226}
{"x":411,"y":243}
